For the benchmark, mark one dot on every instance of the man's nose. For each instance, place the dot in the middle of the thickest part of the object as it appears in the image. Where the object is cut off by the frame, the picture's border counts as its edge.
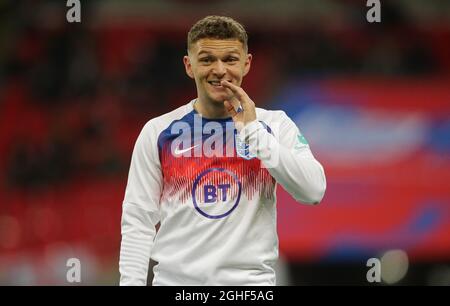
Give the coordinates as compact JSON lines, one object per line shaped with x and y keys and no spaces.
{"x":219,"y":68}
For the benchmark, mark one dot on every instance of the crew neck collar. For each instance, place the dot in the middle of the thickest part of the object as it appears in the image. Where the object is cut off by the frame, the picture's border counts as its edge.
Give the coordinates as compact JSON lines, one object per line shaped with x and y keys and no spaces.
{"x":208,"y":119}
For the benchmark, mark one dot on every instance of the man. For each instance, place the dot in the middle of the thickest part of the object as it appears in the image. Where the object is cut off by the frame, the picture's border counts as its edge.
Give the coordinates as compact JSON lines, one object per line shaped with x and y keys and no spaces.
{"x":207,"y":172}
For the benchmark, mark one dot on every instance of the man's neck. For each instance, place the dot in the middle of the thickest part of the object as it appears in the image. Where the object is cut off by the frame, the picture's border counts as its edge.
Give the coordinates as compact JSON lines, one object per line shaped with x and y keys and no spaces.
{"x":210,"y":110}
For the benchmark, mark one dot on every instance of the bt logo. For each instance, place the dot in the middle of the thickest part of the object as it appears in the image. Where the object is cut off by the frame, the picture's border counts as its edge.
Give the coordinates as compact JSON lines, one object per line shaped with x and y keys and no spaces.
{"x":219,"y":199}
{"x":210,"y":192}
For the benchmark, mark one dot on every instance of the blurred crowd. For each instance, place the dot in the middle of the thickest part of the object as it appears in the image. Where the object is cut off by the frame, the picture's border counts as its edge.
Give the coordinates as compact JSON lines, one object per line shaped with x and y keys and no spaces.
{"x":74,"y":96}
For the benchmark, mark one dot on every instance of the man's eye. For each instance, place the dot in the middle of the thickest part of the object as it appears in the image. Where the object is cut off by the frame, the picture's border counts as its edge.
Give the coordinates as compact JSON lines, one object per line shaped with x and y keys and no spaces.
{"x":205,"y":60}
{"x":231,"y":59}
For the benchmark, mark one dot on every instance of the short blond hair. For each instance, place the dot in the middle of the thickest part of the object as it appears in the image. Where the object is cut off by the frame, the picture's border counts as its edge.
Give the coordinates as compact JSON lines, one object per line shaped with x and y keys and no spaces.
{"x":218,"y":27}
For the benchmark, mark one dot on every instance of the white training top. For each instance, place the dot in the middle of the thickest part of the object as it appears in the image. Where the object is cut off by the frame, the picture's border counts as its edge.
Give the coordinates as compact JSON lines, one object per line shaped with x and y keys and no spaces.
{"x":213,"y":190}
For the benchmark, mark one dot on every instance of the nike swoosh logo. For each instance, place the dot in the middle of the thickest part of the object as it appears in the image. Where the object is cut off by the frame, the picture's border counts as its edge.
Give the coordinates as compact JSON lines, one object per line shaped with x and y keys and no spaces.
{"x":179,"y":152}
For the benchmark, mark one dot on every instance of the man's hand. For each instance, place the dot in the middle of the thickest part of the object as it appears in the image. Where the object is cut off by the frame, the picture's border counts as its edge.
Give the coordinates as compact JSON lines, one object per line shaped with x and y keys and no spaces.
{"x":248,"y":113}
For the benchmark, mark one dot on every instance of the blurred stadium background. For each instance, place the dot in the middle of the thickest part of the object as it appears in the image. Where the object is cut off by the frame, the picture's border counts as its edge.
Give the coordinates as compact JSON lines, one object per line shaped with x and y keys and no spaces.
{"x":372,"y":99}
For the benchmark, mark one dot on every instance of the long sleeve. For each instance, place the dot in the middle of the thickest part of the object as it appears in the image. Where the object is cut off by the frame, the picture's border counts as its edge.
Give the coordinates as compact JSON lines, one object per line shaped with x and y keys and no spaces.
{"x":140,"y":210}
{"x":288,"y":158}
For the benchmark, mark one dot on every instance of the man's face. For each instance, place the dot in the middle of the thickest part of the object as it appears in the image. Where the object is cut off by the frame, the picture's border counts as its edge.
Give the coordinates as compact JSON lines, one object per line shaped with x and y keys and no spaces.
{"x":213,"y":60}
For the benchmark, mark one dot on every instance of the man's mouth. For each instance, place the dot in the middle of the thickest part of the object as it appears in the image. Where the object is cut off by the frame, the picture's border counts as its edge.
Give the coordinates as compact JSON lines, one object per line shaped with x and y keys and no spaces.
{"x":216,"y":83}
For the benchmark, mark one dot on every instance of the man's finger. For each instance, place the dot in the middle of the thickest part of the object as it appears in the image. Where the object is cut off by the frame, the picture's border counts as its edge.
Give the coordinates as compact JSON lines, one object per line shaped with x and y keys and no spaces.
{"x":234,"y":101}
{"x":230,"y":108}
{"x":239,"y":93}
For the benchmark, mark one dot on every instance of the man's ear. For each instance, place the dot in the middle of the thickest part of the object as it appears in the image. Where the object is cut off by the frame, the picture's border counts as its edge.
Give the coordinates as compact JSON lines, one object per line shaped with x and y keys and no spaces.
{"x":188,"y":66}
{"x":248,"y":63}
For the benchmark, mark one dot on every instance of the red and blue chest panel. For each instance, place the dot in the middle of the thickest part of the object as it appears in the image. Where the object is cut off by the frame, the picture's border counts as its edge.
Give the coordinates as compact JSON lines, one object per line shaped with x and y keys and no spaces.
{"x":204,"y":162}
